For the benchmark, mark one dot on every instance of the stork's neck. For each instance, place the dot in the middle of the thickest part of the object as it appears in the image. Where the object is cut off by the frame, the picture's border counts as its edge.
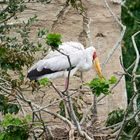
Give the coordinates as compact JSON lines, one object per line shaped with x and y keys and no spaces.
{"x":89,"y":53}
{"x":86,"y":61}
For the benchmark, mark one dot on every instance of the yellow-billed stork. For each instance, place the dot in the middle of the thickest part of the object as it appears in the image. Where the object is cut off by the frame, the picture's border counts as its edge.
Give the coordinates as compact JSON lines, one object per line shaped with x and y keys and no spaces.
{"x":55,"y":64}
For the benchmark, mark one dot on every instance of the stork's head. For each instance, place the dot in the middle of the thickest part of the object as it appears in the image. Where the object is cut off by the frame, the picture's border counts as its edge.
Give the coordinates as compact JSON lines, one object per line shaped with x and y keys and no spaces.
{"x":96,"y":63}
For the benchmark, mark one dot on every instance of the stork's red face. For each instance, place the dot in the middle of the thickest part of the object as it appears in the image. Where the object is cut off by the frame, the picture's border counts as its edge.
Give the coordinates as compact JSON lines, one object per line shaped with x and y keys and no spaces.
{"x":94,"y":55}
{"x":97,"y":65}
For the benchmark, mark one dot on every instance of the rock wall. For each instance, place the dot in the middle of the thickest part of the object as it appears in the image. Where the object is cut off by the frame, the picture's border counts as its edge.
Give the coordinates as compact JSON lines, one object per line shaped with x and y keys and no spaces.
{"x":59,"y":18}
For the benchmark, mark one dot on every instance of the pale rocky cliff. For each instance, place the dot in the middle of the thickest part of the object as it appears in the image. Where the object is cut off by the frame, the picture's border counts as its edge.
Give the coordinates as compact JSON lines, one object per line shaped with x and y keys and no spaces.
{"x":104,"y":34}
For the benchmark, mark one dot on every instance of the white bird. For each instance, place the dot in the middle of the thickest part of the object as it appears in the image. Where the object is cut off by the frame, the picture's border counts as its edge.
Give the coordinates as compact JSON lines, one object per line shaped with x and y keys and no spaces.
{"x":55,"y":64}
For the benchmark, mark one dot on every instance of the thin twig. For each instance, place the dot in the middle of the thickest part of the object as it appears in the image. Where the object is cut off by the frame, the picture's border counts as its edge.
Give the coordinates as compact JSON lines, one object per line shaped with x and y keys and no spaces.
{"x":137,"y":131}
{"x":137,"y":52}
{"x":118,"y":43}
{"x":125,"y":121}
{"x":135,"y":107}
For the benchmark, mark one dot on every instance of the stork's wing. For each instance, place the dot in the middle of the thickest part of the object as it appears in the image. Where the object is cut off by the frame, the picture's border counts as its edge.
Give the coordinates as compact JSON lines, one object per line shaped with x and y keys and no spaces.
{"x":72,"y":46}
{"x":55,"y":64}
{"x":58,"y":63}
{"x":67,"y":48}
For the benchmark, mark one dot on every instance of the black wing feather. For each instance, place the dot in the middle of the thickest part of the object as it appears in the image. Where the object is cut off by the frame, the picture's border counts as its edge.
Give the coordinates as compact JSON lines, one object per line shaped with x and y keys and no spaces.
{"x":34,"y":74}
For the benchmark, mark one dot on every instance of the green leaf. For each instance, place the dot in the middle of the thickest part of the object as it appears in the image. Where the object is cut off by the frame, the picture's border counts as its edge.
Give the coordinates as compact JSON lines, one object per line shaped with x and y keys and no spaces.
{"x":32,"y":20}
{"x":53,"y":40}
{"x":114,"y":117}
{"x":99,"y":86}
{"x":112,"y":80}
{"x":2,"y":134}
{"x":14,"y":128}
{"x":2,"y":51}
{"x":78,"y":115}
{"x":28,"y":118}
{"x":12,"y":108}
{"x":62,"y":109}
{"x":42,"y":32}
{"x":44,"y":82}
{"x":10,"y":120}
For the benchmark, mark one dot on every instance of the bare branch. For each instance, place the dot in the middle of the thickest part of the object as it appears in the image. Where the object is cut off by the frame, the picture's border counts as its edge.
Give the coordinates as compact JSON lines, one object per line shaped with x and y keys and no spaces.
{"x":137,"y":131}
{"x":125,"y":121}
{"x":135,"y":107}
{"x":137,"y":52}
{"x":118,"y":43}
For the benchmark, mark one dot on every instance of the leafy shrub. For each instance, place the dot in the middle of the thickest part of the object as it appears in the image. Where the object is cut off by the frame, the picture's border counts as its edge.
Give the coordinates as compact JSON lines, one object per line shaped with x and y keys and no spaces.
{"x":62,"y":109}
{"x":99,"y":86}
{"x":6,"y":107}
{"x":114,"y":117}
{"x":53,"y":40}
{"x":44,"y":82}
{"x":117,"y":116}
{"x":13,"y":128}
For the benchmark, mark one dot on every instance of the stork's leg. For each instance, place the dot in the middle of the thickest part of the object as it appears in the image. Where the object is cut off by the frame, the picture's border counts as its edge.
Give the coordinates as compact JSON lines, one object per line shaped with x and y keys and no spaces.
{"x":66,"y":84}
{"x":82,"y":81}
{"x":67,"y":109}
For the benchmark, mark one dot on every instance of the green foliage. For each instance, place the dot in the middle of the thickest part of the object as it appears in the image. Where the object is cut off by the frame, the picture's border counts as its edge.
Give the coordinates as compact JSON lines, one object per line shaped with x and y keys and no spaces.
{"x":117,"y":116}
{"x":13,"y":7}
{"x":6,"y":107}
{"x":99,"y":86}
{"x":112,"y":80}
{"x":75,"y":107}
{"x":131,"y":18}
{"x":9,"y":43}
{"x":114,"y":117}
{"x":17,"y":52}
{"x":62,"y":109}
{"x":78,"y":114}
{"x":44,"y":82}
{"x":130,"y":127}
{"x":42,"y":32}
{"x":13,"y":128}
{"x":54,"y":40}
{"x":16,"y":48}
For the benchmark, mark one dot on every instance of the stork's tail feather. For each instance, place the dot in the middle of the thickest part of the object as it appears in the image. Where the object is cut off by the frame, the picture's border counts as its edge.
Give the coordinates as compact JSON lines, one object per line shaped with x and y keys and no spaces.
{"x":35,"y":74}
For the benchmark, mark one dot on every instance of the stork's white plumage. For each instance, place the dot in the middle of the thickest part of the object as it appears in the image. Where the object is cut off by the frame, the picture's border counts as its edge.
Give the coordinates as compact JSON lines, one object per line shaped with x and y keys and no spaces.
{"x":56,"y":64}
{"x":67,"y":48}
